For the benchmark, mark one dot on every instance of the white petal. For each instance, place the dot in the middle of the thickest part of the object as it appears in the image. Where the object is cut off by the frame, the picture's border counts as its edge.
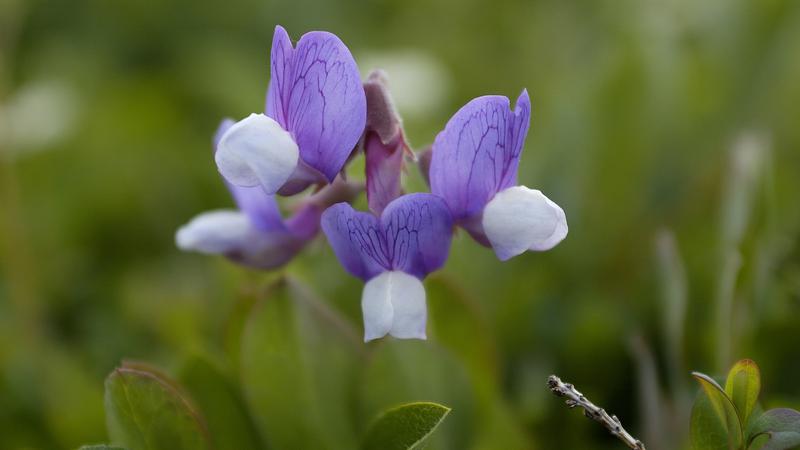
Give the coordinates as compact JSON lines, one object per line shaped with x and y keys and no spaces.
{"x":257,"y":151}
{"x":519,"y":219}
{"x":558,"y":234}
{"x":408,"y":301}
{"x":394,"y":303}
{"x":230,"y":233}
{"x":214,"y":232}
{"x":376,"y":305}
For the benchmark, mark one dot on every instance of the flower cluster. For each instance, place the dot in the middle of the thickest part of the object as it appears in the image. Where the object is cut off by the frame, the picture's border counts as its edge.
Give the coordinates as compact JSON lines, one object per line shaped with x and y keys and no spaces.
{"x":318,"y":116}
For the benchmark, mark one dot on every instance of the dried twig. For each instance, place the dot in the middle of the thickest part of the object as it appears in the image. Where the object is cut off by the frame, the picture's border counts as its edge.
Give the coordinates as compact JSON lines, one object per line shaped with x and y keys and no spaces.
{"x":575,"y":398}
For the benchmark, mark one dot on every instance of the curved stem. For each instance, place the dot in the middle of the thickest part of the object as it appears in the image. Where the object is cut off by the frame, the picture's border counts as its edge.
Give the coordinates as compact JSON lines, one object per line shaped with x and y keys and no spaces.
{"x":592,"y":411}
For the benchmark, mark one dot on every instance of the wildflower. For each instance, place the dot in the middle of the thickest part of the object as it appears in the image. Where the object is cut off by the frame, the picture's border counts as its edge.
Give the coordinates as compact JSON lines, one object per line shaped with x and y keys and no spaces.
{"x":473,"y":167}
{"x":315,"y":115}
{"x":256,"y":234}
{"x":393,"y":253}
{"x":402,"y":241}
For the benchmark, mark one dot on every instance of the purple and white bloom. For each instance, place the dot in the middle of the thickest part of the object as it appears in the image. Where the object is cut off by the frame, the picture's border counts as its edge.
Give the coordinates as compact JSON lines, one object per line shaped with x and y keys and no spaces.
{"x":315,"y":115}
{"x":256,"y":234}
{"x":473,"y":168}
{"x":392,"y":253}
{"x":384,"y":144}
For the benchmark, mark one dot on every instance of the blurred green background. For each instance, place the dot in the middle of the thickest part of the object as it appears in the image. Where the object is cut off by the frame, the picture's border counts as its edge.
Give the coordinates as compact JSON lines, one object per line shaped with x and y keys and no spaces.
{"x":667,"y":130}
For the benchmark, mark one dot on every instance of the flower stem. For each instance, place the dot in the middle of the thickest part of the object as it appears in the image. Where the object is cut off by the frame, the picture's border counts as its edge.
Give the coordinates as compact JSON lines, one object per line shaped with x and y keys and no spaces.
{"x":592,"y":411}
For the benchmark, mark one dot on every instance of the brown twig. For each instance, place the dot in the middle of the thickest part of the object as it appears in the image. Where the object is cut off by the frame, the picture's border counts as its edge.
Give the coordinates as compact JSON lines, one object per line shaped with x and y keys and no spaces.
{"x":592,"y":411}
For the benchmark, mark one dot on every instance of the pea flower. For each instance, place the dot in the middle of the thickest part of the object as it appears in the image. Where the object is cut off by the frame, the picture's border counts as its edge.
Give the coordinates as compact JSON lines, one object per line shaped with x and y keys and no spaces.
{"x":403,"y":240}
{"x":315,"y":115}
{"x":473,"y":167}
{"x":393,"y":253}
{"x":256,"y":234}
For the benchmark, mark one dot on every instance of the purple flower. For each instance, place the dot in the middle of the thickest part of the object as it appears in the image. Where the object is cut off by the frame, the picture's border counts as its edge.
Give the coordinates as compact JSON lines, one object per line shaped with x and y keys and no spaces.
{"x":256,"y":234}
{"x":392,"y":254}
{"x":474,"y":169}
{"x":384,"y":144}
{"x":315,"y":115}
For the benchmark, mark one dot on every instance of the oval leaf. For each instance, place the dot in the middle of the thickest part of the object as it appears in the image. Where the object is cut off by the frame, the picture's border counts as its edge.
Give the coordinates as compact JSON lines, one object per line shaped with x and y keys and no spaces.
{"x":706,"y":431}
{"x":297,"y":365}
{"x":781,"y":425}
{"x":226,"y":415}
{"x":144,"y":410}
{"x":405,"y":427}
{"x":743,"y":386}
{"x":715,"y":424}
{"x":406,"y":371}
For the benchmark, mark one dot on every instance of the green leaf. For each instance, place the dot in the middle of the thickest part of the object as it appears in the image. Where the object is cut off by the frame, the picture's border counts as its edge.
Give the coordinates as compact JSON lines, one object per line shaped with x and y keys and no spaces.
{"x":407,"y":371}
{"x":146,"y":410}
{"x":715,"y":424}
{"x":758,"y":442}
{"x":405,"y":427}
{"x":706,"y":431}
{"x":743,"y":386}
{"x":299,"y":361}
{"x":223,"y":407}
{"x":781,"y":425}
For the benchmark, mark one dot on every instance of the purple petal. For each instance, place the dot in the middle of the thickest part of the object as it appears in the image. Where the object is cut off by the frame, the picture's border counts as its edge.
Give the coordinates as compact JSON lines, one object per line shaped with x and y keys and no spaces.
{"x":262,"y":209}
{"x":357,"y":239}
{"x":418,"y":229}
{"x":382,"y":116}
{"x":478,"y":152}
{"x":424,"y":163}
{"x":315,"y":93}
{"x":304,"y":224}
{"x":275,"y":247}
{"x":281,"y":58}
{"x":384,"y":144}
{"x":413,"y":236}
{"x":384,"y":166}
{"x":302,"y":177}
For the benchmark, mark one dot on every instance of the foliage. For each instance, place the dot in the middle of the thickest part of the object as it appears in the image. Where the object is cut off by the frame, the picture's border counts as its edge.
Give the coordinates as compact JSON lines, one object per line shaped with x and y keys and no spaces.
{"x":405,"y":427}
{"x":147,"y":409}
{"x":730,"y":418}
{"x":635,"y":108}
